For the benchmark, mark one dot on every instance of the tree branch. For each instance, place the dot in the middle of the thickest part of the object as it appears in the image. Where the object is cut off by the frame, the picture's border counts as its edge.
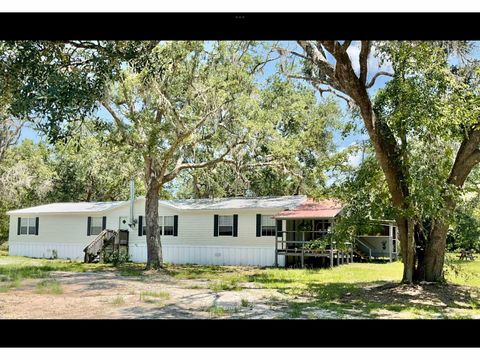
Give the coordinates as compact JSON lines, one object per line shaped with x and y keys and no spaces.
{"x":346,"y":44}
{"x":179,"y":167}
{"x":326,"y":71}
{"x":374,"y":78}
{"x":9,"y":134}
{"x":118,"y":121}
{"x":363,"y":60}
{"x":263,"y":63}
{"x":468,"y":156}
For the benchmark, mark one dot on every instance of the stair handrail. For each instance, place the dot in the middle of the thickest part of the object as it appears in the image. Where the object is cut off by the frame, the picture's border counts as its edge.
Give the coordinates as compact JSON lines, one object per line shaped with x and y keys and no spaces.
{"x":95,"y":241}
{"x":99,"y":240}
{"x":368,"y":247}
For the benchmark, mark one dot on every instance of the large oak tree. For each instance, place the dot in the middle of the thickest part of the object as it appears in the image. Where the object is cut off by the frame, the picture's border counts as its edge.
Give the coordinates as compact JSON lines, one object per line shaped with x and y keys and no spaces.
{"x":427,"y":111}
{"x":189,"y":107}
{"x":291,"y":153}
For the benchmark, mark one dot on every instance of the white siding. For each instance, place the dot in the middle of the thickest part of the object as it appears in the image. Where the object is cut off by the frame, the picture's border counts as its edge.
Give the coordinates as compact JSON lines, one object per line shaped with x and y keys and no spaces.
{"x":210,"y":255}
{"x":66,"y":234}
{"x":47,"y":250}
{"x":195,"y":243}
{"x":376,"y":244}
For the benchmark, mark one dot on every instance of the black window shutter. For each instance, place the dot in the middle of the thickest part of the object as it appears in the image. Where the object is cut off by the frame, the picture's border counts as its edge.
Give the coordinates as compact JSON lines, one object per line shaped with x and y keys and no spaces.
{"x":18,"y":226}
{"x":259,"y":225}
{"x":279,"y":225}
{"x":235,"y":225}
{"x":104,"y":223}
{"x":175,"y":225}
{"x":37,"y":220}
{"x":89,"y":224}
{"x":140,"y":226}
{"x":215,"y":225}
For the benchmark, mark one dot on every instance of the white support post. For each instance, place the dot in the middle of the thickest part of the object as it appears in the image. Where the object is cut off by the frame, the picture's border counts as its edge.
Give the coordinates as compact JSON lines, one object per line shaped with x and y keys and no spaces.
{"x":390,"y":241}
{"x":276,"y":246}
{"x":303,"y":250}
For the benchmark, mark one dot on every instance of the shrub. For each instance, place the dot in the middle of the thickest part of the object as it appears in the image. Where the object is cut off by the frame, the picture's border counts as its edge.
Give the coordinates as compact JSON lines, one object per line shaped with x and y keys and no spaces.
{"x":118,"y":301}
{"x":49,"y":287}
{"x":146,"y":295}
{"x":4,"y":246}
{"x":319,"y":244}
{"x":225,"y":285}
{"x":117,"y":258}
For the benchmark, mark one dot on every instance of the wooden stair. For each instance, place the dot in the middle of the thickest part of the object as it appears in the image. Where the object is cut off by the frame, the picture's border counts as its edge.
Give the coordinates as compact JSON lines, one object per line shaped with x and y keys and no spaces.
{"x":361,"y":254}
{"x":94,"y":250}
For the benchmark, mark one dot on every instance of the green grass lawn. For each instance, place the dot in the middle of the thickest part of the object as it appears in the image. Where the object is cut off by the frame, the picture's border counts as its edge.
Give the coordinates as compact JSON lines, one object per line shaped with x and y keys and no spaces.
{"x":360,"y":289}
{"x":15,"y":269}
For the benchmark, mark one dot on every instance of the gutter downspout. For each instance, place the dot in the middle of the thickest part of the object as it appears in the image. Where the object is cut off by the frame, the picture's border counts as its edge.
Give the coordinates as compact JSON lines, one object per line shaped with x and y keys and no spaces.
{"x":132,"y":201}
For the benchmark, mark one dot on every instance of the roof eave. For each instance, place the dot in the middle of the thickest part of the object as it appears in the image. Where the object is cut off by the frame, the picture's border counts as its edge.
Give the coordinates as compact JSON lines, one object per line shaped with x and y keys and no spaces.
{"x":22,"y":212}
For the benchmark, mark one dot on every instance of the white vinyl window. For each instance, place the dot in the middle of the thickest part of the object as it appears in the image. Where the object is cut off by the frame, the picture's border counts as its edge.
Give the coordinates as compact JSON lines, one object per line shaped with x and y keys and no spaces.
{"x":96,"y":225}
{"x":28,"y":226}
{"x":165,"y":225}
{"x":268,"y":225}
{"x":225,"y":225}
{"x":160,"y":225}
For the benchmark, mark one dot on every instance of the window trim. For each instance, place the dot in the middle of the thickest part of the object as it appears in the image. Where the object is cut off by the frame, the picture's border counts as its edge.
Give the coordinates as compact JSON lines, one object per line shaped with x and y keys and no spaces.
{"x":169,"y":226}
{"x":274,"y":227}
{"x":232,"y":226}
{"x":28,"y":226}
{"x":161,"y":225}
{"x":91,"y":224}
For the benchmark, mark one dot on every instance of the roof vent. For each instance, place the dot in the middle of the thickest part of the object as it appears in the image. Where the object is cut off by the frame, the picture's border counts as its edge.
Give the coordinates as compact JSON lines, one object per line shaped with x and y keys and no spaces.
{"x":249,"y":193}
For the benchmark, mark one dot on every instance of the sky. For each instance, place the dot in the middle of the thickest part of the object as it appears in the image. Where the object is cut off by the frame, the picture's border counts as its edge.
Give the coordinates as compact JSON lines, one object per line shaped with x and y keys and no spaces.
{"x":270,"y":68}
{"x":29,"y":133}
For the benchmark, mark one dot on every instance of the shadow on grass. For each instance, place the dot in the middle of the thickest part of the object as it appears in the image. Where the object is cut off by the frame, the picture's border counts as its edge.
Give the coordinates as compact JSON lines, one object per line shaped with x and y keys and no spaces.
{"x":200,"y":271}
{"x":12,"y":274}
{"x":381,"y":299}
{"x":159,"y":312}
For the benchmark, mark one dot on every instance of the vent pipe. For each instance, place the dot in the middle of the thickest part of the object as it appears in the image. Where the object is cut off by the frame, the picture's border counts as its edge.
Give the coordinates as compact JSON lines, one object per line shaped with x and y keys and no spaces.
{"x":132,"y":201}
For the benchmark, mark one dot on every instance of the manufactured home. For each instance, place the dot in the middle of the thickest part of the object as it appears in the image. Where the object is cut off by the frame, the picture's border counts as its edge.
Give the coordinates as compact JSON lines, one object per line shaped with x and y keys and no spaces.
{"x":258,"y":231}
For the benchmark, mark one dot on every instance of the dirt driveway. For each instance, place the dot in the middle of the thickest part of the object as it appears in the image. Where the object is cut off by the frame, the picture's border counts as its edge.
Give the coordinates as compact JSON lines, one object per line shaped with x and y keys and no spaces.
{"x":107,"y":295}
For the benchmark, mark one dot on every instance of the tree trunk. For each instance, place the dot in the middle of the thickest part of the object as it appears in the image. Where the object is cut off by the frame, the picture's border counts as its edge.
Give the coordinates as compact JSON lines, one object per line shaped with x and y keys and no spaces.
{"x":154,"y":247}
{"x":407,"y":245}
{"x":421,"y":238}
{"x":435,"y":252}
{"x":422,"y":253}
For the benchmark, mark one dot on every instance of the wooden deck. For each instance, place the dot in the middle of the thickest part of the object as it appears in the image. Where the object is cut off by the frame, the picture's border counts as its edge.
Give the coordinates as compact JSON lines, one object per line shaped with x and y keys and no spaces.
{"x":283,"y":248}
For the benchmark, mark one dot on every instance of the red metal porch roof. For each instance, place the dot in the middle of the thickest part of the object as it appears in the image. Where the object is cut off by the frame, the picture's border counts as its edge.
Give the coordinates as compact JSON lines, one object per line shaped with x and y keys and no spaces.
{"x":327,"y":208}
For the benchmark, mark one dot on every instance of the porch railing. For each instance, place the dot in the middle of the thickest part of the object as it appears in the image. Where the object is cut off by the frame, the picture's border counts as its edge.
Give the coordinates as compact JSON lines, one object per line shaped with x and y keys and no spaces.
{"x":284,"y":238}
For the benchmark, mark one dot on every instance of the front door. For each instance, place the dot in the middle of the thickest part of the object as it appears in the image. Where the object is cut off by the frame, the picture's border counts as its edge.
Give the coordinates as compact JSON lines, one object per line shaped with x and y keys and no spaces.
{"x":123,"y":223}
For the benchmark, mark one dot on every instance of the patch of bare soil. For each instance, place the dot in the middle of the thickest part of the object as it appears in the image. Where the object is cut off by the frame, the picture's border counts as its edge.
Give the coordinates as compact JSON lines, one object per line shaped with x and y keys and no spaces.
{"x":433,"y":300}
{"x":106,"y":295}
{"x":158,"y":295}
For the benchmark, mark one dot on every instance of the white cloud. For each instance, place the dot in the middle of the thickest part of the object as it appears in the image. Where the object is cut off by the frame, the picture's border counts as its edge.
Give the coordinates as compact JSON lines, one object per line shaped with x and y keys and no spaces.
{"x":354,"y":159}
